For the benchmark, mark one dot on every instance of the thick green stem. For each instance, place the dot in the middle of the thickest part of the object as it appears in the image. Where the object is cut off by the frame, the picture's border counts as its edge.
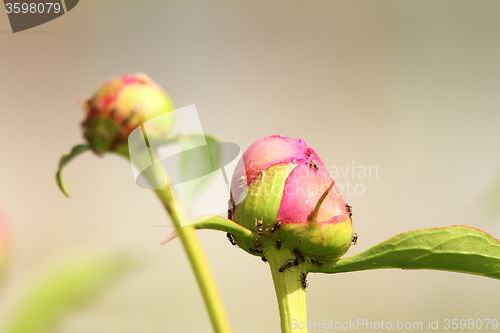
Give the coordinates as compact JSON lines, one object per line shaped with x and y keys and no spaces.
{"x":289,"y":290}
{"x":197,"y":260}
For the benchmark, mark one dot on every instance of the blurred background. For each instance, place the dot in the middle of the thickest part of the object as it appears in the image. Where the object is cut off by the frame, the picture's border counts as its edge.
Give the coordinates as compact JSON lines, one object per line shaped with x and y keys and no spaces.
{"x":407,"y":88}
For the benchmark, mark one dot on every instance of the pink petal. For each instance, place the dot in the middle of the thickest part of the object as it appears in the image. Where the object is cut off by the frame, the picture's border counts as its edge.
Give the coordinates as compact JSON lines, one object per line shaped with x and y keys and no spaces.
{"x":266,"y":152}
{"x":303,"y":188}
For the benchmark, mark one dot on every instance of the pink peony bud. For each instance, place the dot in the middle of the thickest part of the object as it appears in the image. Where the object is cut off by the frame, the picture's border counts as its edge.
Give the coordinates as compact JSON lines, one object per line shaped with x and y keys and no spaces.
{"x":118,"y":107}
{"x":282,"y":191}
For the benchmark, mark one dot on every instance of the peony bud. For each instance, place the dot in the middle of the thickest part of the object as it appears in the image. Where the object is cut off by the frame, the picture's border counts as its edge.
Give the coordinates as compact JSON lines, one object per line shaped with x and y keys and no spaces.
{"x":118,"y":107}
{"x":282,"y":191}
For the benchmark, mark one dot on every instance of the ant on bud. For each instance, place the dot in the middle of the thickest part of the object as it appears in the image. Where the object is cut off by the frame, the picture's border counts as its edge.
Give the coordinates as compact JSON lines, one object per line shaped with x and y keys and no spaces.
{"x":349,"y":209}
{"x":303,"y":280}
{"x":255,"y":251}
{"x":276,"y":226}
{"x":313,"y":165}
{"x":231,"y":239}
{"x":286,"y":266}
{"x":354,"y":240}
{"x":315,"y":262}
{"x":296,"y":262}
{"x":299,"y":255}
{"x":229,"y":210}
{"x":278,"y":244}
{"x":259,"y":223}
{"x":264,"y":259}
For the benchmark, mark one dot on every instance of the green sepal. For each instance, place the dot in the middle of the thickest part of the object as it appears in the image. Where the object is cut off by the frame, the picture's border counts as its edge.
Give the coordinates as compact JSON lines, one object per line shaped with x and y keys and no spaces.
{"x":263,"y":198}
{"x":219,"y":223}
{"x":65,"y":159}
{"x":327,"y":241}
{"x":456,"y":248}
{"x":102,"y":132}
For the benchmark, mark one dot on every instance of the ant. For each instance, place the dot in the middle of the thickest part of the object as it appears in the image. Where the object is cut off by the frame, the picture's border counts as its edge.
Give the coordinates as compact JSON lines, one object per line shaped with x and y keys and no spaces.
{"x":231,"y":239}
{"x":315,"y":262}
{"x":354,"y":240}
{"x":349,"y":209}
{"x":303,"y":280}
{"x":276,"y":226}
{"x":259,"y":226}
{"x":264,"y":259}
{"x":286,"y":266}
{"x":296,"y":262}
{"x":299,"y":255}
{"x":255,"y":251}
{"x":313,"y":165}
{"x":230,"y":208}
{"x":278,"y":244}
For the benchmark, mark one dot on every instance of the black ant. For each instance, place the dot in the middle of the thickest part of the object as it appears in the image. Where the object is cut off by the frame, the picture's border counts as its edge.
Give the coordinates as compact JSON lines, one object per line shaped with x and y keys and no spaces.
{"x":259,"y":226}
{"x":264,"y":259}
{"x":354,"y":240}
{"x":255,"y":251}
{"x":231,"y":239}
{"x":278,"y":244}
{"x":230,"y":209}
{"x":349,"y":209}
{"x":313,"y":165}
{"x":315,"y":262}
{"x":296,"y":262}
{"x":299,"y":255}
{"x":276,"y":226}
{"x":286,"y":266}
{"x":303,"y":280}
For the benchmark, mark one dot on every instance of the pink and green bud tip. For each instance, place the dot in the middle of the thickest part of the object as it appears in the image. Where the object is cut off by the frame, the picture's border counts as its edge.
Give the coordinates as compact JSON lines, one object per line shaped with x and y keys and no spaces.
{"x":121,"y":105}
{"x":282,"y":191}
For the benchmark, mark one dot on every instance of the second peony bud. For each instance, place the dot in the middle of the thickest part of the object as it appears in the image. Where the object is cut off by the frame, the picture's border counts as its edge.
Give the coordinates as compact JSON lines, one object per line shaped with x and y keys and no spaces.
{"x":282,"y":191}
{"x":118,"y":107}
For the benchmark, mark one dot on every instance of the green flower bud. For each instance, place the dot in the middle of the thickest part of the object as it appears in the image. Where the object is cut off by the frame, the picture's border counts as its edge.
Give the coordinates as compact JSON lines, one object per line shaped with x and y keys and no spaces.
{"x":121,"y":105}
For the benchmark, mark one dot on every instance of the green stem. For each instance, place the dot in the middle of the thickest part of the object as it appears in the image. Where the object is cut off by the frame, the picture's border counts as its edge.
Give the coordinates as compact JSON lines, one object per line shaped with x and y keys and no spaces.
{"x":289,"y":291}
{"x":198,"y":261}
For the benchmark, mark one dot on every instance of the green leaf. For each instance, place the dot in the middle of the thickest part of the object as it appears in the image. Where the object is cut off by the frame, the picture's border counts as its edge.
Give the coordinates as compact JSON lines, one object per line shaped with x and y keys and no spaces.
{"x":455,"y":248}
{"x":67,"y":286}
{"x":65,"y":159}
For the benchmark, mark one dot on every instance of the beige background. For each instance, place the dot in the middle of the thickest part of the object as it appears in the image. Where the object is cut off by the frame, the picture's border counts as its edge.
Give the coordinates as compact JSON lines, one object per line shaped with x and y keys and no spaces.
{"x":409,"y":87}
